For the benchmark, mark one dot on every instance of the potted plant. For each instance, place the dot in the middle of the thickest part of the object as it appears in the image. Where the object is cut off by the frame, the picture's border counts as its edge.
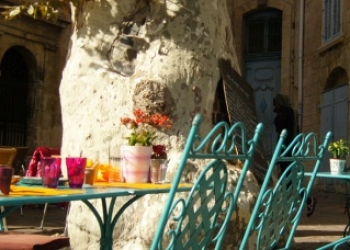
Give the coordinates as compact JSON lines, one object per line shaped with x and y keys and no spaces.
{"x":137,"y":153}
{"x":339,"y":150}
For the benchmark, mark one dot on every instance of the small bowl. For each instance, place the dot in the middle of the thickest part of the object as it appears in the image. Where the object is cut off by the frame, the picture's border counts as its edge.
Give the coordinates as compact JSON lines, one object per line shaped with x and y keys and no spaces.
{"x":15,"y":179}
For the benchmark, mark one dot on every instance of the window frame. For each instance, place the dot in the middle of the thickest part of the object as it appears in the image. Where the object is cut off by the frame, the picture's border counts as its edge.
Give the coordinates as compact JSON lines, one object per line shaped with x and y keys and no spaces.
{"x":332,"y":25}
{"x":267,"y":19}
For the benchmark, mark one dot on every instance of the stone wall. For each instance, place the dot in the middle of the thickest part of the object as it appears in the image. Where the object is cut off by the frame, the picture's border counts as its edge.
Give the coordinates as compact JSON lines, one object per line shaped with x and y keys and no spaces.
{"x":44,"y":48}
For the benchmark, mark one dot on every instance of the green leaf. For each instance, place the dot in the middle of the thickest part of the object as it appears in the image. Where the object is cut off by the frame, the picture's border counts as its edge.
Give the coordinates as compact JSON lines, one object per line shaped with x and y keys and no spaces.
{"x":30,"y":10}
{"x":16,"y":11}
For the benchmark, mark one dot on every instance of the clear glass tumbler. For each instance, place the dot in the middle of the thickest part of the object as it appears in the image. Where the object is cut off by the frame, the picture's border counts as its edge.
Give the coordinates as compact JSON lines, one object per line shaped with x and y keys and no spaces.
{"x":115,"y":173}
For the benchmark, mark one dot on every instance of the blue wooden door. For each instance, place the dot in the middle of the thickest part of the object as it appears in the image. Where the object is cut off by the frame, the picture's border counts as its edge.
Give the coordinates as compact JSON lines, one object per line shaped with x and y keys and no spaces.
{"x":264,"y":77}
{"x":334,"y":117}
{"x":263,"y":41}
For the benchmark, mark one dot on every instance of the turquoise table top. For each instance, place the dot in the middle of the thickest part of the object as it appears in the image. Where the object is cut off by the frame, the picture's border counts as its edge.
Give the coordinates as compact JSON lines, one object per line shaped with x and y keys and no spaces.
{"x":107,"y":220}
{"x":343,"y":175}
{"x":89,"y":192}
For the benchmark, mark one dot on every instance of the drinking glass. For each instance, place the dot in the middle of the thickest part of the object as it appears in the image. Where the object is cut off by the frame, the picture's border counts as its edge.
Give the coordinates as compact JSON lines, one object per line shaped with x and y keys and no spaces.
{"x":92,"y":163}
{"x":115,"y":173}
{"x":158,"y":169}
{"x":5,"y":179}
{"x":76,"y":171}
{"x":50,"y":171}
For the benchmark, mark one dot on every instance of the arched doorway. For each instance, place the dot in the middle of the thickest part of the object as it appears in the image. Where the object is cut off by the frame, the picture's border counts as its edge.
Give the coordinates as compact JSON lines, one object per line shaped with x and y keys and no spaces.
{"x":14,"y":88}
{"x":262,"y":55}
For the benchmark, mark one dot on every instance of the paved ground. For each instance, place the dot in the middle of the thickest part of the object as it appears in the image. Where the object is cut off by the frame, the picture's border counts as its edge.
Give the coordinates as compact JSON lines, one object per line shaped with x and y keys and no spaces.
{"x":29,"y":222}
{"x":325,"y":225}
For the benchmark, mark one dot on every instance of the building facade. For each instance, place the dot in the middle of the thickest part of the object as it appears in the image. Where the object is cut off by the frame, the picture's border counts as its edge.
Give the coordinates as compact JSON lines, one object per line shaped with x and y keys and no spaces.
{"x":297,"y":47}
{"x":300,"y":48}
{"x":32,"y":56}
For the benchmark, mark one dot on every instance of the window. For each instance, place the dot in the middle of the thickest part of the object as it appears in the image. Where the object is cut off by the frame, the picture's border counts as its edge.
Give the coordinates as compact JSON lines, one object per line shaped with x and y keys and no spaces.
{"x":264,"y":33}
{"x":331,"y":19}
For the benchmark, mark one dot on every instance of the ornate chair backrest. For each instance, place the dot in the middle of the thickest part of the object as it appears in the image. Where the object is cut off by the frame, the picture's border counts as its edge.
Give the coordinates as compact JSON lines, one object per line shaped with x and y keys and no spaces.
{"x":6,"y":156}
{"x":197,"y":220}
{"x":278,"y":209}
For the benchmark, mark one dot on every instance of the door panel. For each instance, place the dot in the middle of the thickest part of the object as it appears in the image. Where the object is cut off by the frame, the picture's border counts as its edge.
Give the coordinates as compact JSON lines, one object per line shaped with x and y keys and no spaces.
{"x":334,"y":117}
{"x":340,"y":112}
{"x":263,"y":41}
{"x":264,"y":77}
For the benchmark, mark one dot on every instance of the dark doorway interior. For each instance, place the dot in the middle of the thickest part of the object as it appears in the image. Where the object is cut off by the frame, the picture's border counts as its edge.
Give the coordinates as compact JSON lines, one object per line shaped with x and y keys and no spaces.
{"x":219,"y":108}
{"x":13,"y":98}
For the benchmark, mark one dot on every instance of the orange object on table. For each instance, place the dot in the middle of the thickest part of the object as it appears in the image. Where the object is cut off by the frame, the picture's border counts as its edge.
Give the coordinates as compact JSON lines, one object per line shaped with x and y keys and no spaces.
{"x":91,"y":172}
{"x":114,"y":174}
{"x":103,"y":172}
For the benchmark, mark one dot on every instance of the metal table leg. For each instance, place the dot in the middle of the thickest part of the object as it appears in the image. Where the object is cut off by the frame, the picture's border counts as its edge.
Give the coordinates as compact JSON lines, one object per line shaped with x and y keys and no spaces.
{"x":106,"y":222}
{"x":347,"y":208}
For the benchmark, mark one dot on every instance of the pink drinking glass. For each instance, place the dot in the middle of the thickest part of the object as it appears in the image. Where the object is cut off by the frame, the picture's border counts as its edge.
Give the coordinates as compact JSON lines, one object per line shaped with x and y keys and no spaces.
{"x":76,"y":171}
{"x":5,"y":179}
{"x":50,"y":171}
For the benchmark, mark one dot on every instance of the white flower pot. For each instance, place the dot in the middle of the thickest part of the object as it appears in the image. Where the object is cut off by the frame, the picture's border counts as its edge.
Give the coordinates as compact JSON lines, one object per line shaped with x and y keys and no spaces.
{"x":135,"y":162}
{"x":337,"y":165}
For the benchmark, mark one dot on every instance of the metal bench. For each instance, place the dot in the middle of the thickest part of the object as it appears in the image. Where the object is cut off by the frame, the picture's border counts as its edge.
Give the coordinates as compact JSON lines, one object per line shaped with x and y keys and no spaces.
{"x":201,"y":219}
{"x":278,"y":207}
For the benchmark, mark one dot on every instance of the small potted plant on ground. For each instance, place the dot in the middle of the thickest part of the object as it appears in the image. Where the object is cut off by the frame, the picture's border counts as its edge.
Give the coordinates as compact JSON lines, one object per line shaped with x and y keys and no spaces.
{"x":339,"y":150}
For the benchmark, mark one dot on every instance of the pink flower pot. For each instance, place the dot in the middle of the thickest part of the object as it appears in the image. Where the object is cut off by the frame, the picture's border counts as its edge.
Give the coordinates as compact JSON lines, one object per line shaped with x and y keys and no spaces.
{"x":135,"y":163}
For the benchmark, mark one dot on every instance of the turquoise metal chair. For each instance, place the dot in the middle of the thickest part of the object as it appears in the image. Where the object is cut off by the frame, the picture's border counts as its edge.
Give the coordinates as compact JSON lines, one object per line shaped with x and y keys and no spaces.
{"x":342,"y":243}
{"x":278,"y":208}
{"x":202,"y":218}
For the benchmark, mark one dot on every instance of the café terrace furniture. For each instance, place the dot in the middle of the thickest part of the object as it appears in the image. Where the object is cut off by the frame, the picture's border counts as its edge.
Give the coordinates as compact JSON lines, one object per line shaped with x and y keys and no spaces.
{"x":18,"y":162}
{"x":7,"y":155}
{"x":33,"y":170}
{"x":345,"y":176}
{"x":105,"y":192}
{"x":279,"y":206}
{"x":209,"y":191}
{"x":201,"y":219}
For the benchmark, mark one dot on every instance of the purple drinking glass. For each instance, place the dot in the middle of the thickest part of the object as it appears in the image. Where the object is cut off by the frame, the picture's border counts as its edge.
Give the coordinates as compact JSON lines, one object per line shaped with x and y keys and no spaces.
{"x":5,"y":179}
{"x":76,"y":171}
{"x":50,"y":171}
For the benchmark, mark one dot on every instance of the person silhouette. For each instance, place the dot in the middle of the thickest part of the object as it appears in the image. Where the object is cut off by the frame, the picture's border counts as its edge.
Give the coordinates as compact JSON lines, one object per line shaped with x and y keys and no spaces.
{"x":287,"y":118}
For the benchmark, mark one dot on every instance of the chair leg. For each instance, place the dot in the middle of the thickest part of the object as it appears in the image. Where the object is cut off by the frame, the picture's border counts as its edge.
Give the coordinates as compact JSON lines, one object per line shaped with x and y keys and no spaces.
{"x":3,"y":223}
{"x":43,"y":218}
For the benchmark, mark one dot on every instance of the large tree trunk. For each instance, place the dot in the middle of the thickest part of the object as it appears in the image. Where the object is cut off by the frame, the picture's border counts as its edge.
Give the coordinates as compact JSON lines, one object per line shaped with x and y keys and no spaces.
{"x":155,"y":55}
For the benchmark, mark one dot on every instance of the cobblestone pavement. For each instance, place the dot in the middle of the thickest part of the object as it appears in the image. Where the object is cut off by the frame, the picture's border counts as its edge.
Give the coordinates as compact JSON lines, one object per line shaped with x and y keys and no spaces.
{"x":325,"y":225}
